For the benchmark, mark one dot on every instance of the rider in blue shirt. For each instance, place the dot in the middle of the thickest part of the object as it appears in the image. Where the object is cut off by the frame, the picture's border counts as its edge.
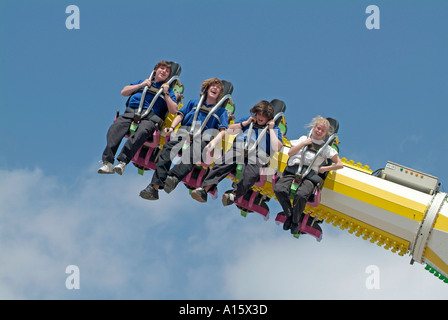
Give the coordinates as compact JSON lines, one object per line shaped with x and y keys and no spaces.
{"x":166,"y":102}
{"x":263,"y":113}
{"x":265,"y":144}
{"x":214,"y":131}
{"x":217,"y":121}
{"x":160,"y":106}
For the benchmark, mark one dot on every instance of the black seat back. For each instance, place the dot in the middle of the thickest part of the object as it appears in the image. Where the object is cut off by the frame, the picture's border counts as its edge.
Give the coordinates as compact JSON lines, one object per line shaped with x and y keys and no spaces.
{"x":176,"y":69}
{"x":177,"y":85}
{"x":279,"y":106}
{"x":229,"y":105}
{"x":334,"y":124}
{"x":228,"y":87}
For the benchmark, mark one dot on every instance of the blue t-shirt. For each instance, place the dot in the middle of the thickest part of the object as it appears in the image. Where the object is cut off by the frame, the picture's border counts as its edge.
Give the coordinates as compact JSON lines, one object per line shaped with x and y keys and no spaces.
{"x":213,"y":123}
{"x":160,"y":108}
{"x":265,"y":144}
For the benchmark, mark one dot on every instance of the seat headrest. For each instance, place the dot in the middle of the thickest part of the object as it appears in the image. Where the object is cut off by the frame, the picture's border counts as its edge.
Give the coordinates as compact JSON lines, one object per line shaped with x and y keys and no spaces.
{"x":334,"y":124}
{"x":176,"y":69}
{"x":228,"y":87}
{"x":279,"y":106}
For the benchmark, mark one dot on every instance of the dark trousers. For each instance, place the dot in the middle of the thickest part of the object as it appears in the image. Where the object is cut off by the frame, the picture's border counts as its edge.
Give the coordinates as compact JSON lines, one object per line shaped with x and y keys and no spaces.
{"x":250,"y":172}
{"x":118,"y":130}
{"x":181,"y":169}
{"x":282,"y":190}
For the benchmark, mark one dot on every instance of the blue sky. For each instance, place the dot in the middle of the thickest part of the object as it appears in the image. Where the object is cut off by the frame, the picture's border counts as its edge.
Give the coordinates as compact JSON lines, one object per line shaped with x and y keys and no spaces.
{"x":60,"y":89}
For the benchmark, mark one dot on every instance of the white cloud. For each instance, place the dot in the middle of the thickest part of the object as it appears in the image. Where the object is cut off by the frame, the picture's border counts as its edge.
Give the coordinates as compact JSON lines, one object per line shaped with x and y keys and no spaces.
{"x":176,"y":248}
{"x":46,"y":226}
{"x":286,"y":268}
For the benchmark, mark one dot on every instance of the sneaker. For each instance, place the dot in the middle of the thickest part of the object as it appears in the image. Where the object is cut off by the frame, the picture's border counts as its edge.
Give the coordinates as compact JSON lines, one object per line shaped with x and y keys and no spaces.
{"x":150,"y":193}
{"x":119,"y":168}
{"x":294,"y":228}
{"x":170,"y":183}
{"x":228,"y":198}
{"x":106,"y":168}
{"x":287,"y":223}
{"x":199,"y":194}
